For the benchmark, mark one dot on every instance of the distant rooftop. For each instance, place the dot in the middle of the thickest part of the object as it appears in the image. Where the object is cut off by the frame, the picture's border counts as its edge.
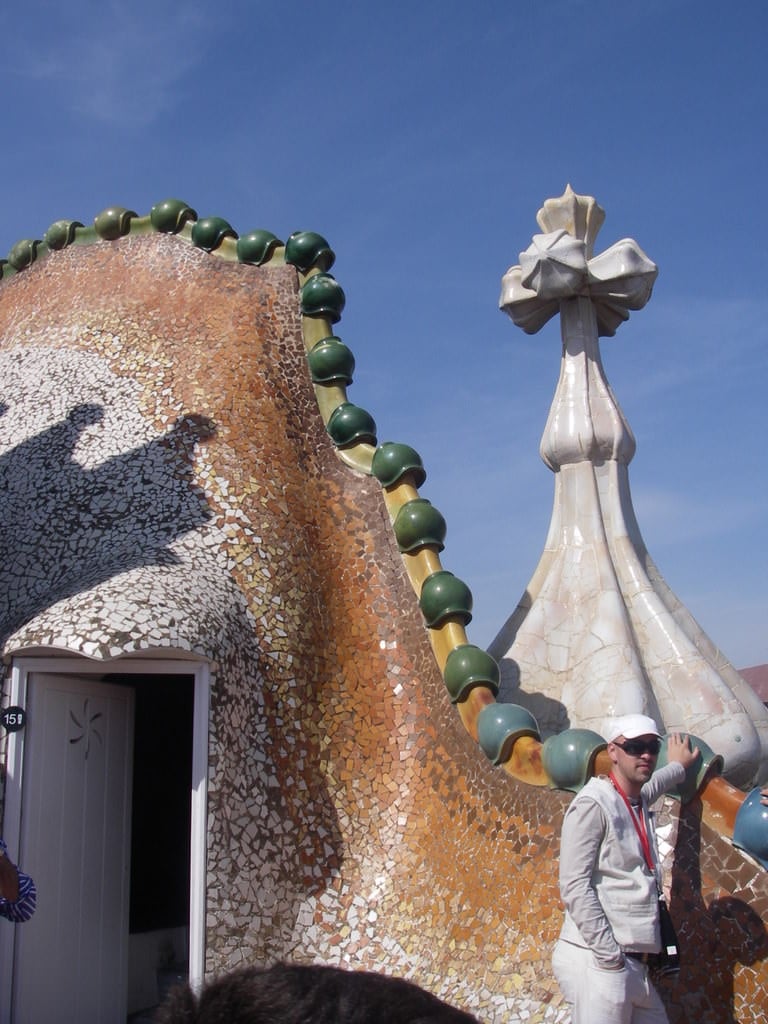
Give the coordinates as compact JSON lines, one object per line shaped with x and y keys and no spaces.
{"x":757,"y":677}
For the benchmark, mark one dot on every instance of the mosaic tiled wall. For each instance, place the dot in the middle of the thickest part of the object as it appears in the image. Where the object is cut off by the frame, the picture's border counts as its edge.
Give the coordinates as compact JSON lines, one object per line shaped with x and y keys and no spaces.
{"x":169,"y":485}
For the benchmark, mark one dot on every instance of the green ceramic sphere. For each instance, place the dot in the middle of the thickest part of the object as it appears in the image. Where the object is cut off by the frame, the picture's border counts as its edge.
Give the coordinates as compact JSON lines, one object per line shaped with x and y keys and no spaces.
{"x":113,"y":223}
{"x":257,"y":247}
{"x":61,"y":233}
{"x":444,"y":596}
{"x":569,"y":756}
{"x":349,"y":424}
{"x":418,"y":524}
{"x":393,"y":461}
{"x":500,"y":725}
{"x":171,"y":215}
{"x":708,"y":762}
{"x":331,"y":362}
{"x":307,"y":249}
{"x":210,"y":232}
{"x":23,"y":253}
{"x":750,"y":830}
{"x":467,"y":666}
{"x":323,"y":297}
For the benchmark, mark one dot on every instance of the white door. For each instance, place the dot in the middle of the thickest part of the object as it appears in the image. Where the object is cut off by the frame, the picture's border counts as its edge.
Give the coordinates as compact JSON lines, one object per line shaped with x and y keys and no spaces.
{"x":70,"y":959}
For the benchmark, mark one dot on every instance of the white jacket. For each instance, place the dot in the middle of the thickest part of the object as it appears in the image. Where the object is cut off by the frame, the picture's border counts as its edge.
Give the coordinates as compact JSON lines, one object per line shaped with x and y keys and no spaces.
{"x":610,"y":894}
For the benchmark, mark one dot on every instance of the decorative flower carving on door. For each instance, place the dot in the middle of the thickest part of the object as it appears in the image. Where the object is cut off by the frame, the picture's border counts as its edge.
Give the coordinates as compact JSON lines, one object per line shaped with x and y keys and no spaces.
{"x":87,"y":727}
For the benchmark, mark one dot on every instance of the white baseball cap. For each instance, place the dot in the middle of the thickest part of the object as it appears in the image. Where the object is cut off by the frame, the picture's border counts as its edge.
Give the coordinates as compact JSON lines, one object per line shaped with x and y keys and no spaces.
{"x":630,"y":727}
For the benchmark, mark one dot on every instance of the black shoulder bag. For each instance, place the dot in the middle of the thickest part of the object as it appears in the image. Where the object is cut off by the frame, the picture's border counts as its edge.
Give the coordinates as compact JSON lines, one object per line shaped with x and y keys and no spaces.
{"x":669,"y":957}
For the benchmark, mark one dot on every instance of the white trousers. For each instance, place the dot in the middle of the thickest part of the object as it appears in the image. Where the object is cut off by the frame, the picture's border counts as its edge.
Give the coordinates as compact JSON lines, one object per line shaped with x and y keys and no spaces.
{"x":599,"y":996}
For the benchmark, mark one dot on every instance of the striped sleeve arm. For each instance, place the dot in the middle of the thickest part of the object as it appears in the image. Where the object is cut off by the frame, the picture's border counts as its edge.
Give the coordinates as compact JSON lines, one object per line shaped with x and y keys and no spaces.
{"x":24,"y":907}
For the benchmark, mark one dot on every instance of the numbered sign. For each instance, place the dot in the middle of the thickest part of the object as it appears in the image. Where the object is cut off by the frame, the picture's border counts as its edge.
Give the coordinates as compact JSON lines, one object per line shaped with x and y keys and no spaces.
{"x":13,"y":718}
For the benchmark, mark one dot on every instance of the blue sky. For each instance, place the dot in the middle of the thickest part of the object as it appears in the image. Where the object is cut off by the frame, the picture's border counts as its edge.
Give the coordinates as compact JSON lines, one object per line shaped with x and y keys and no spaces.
{"x":421,"y":138}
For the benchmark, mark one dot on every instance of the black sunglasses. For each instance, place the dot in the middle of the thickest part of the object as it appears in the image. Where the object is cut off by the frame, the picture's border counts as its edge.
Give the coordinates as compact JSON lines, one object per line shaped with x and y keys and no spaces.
{"x":635,"y":748}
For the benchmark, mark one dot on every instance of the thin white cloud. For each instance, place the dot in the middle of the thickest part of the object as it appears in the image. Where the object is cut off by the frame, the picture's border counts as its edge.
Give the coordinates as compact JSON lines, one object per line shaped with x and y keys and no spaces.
{"x":111,"y":62}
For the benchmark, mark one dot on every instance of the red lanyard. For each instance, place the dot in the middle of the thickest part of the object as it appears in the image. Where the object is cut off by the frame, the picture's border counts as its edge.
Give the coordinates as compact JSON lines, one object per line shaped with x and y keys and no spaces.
{"x":638,"y":820}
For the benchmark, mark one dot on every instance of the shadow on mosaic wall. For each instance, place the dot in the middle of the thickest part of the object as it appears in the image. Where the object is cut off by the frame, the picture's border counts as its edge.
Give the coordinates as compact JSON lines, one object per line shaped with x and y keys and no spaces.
{"x":543,"y":707}
{"x":67,"y":528}
{"x":728,"y":932}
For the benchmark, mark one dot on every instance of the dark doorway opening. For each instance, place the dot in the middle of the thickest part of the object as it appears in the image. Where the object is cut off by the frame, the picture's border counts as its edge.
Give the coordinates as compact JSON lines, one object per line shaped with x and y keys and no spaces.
{"x":160,"y":827}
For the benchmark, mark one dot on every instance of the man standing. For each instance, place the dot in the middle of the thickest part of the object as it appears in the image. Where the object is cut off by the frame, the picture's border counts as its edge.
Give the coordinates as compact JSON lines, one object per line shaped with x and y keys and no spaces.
{"x":18,"y":895}
{"x":610,"y":880}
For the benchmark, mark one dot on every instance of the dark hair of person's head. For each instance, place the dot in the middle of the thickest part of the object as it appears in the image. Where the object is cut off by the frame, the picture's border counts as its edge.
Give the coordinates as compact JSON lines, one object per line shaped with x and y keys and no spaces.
{"x":308,"y":994}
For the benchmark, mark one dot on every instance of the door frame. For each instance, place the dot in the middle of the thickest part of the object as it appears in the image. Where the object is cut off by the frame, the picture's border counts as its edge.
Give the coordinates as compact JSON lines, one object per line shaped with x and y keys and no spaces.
{"x":21,"y":669}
